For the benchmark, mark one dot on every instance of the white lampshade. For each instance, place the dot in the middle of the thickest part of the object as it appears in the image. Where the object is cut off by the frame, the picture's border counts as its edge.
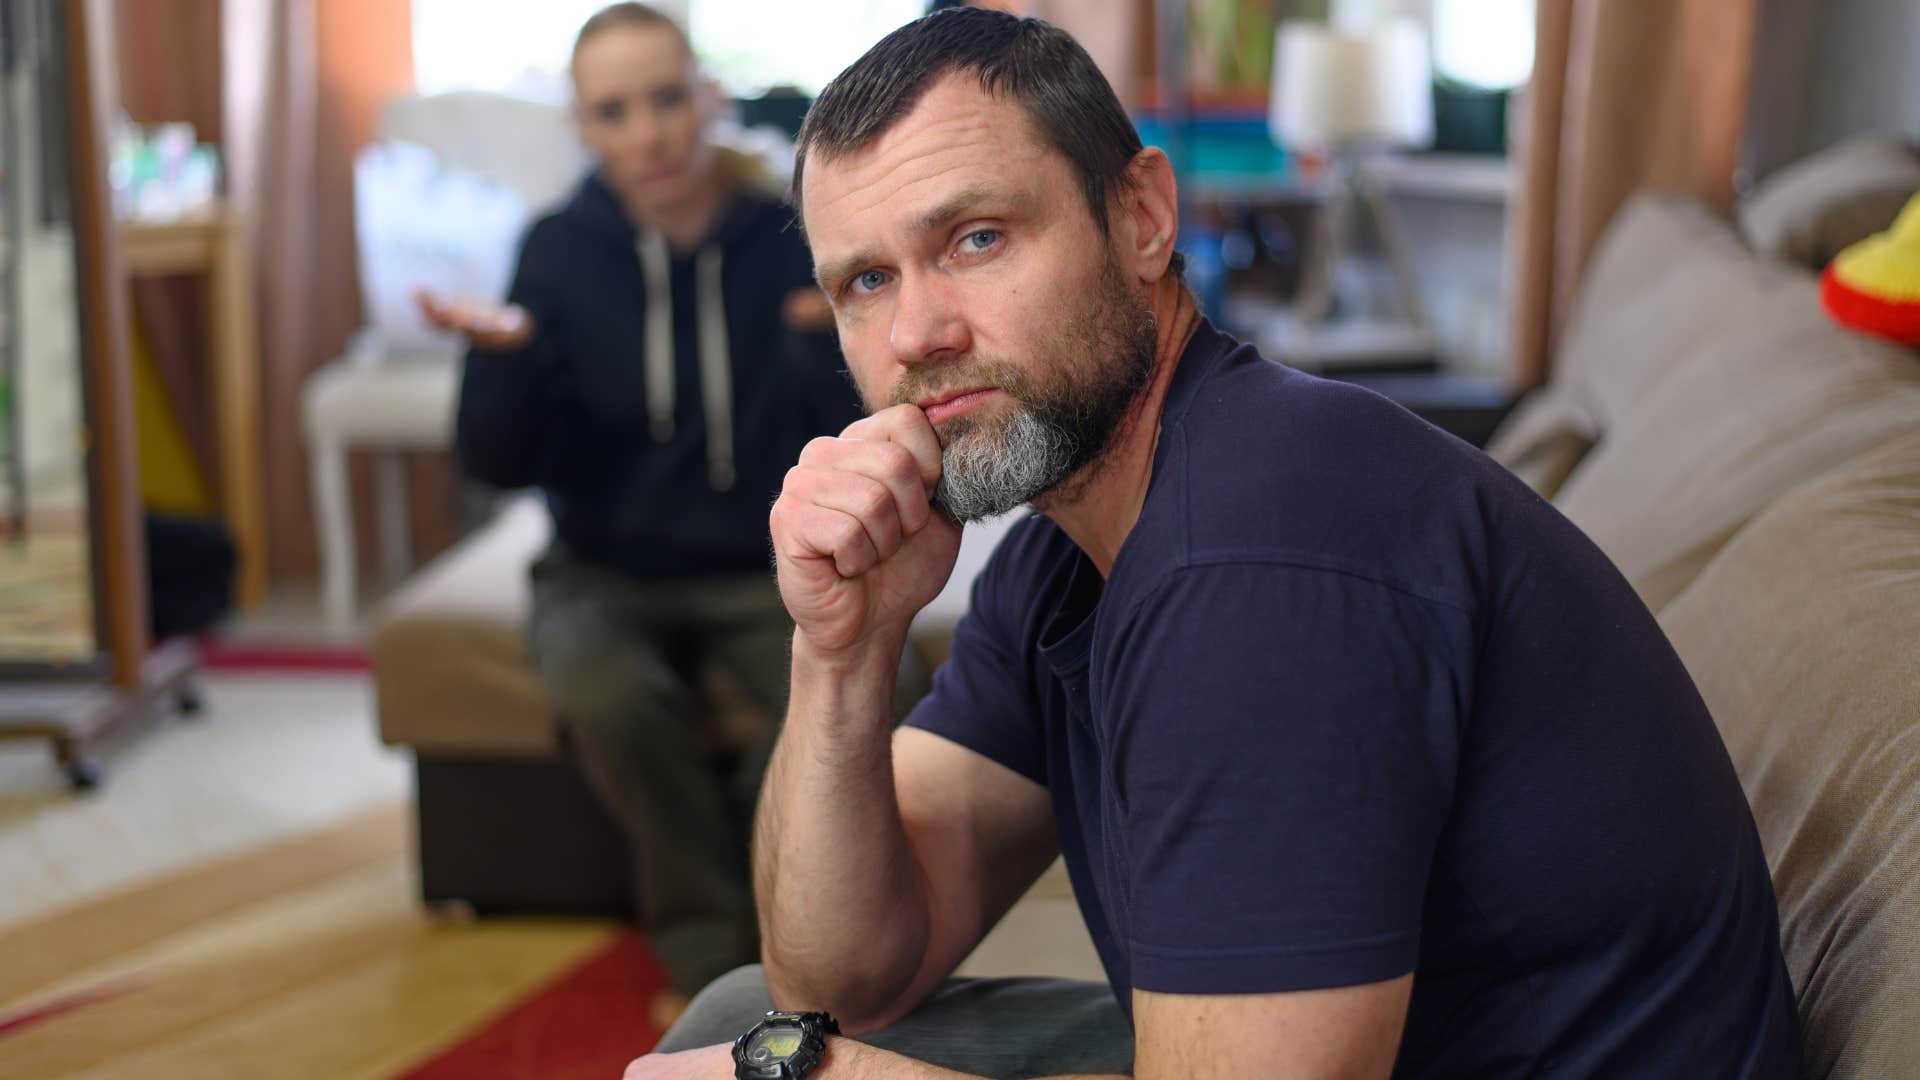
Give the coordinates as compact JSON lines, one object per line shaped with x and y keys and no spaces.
{"x":1331,"y":87}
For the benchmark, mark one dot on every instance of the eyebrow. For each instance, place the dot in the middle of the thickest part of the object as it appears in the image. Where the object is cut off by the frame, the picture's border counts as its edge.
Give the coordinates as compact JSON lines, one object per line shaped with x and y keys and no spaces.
{"x":952,"y":209}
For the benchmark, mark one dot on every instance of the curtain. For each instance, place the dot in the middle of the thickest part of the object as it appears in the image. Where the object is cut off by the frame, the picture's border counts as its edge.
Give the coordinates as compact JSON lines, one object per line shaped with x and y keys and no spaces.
{"x":1625,"y":94}
{"x":304,"y":81}
{"x":291,"y":90}
{"x":156,"y":88}
{"x":1118,"y":35}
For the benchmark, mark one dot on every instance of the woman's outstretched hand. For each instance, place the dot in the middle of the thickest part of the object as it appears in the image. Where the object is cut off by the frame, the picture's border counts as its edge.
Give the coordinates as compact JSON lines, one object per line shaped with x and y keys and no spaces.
{"x":495,"y":327}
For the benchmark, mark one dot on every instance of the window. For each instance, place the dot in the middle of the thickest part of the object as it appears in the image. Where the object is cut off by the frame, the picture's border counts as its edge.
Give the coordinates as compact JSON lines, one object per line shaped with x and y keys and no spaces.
{"x":516,"y":47}
{"x":750,"y":45}
{"x":1483,"y":44}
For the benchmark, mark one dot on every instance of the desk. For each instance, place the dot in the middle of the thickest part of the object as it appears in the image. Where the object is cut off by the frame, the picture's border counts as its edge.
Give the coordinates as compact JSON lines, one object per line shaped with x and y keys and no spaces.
{"x":217,"y":247}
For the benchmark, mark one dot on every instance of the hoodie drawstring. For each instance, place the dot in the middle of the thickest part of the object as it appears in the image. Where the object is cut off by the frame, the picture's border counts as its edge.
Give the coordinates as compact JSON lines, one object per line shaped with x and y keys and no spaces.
{"x":716,"y":360}
{"x":659,"y":343}
{"x":716,"y":370}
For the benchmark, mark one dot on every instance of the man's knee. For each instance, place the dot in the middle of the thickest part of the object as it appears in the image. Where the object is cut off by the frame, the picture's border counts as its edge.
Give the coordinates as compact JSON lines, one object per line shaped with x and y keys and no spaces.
{"x":721,"y":1012}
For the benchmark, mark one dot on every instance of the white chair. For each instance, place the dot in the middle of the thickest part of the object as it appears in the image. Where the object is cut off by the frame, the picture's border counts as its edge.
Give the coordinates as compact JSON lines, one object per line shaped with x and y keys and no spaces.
{"x":394,"y":401}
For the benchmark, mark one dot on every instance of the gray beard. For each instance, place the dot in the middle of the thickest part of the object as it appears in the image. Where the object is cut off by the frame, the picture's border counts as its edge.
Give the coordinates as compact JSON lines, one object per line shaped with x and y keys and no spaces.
{"x":982,"y":476}
{"x":1059,"y":422}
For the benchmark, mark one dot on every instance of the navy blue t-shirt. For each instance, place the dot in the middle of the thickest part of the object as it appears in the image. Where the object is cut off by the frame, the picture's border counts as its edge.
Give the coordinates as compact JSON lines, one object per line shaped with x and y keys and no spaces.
{"x":1353,"y":703}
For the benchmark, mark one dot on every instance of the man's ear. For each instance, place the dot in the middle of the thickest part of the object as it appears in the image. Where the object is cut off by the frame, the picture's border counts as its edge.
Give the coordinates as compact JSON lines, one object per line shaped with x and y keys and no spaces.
{"x":1146,"y":218}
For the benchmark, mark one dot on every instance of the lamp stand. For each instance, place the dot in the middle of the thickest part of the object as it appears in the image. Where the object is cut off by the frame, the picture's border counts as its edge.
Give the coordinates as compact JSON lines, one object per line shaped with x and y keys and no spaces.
{"x":1311,"y":345}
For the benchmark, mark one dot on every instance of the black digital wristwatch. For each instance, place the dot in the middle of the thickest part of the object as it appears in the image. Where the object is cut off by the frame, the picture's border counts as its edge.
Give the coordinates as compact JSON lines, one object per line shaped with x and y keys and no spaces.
{"x":783,"y":1046}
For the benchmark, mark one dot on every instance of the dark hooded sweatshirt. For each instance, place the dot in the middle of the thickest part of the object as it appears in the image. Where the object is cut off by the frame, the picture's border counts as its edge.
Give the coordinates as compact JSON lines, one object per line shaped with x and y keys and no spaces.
{"x":662,"y":398}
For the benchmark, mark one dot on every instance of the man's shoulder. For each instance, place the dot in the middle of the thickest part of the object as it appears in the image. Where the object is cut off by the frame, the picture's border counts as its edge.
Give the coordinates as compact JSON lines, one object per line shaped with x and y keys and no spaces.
{"x":1263,"y":418}
{"x":1266,"y":464}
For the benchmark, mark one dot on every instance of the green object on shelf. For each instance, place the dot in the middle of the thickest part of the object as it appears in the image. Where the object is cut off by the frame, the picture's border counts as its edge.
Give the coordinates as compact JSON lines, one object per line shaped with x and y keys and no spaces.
{"x":1230,"y":46}
{"x":1467,"y":120}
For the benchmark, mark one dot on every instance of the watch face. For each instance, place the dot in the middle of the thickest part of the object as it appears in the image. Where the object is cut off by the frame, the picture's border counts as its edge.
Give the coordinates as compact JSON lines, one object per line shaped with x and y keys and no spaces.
{"x":773,"y":1044}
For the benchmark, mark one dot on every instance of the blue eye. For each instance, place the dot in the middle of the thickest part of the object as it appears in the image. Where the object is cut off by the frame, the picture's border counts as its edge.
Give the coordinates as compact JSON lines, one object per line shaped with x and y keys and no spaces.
{"x":980,"y":239}
{"x":868,"y":281}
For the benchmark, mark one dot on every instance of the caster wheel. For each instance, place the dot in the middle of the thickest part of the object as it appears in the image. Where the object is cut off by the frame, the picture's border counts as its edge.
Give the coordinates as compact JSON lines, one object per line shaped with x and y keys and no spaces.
{"x":452,"y":912}
{"x":83,"y":776}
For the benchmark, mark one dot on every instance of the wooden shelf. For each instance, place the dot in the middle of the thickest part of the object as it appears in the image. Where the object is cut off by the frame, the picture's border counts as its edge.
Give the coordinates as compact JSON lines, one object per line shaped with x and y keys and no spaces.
{"x":217,"y":247}
{"x":1469,"y":177}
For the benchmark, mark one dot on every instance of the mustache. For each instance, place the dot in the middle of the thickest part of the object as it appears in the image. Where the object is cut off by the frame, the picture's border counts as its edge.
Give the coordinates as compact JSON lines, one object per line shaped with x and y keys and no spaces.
{"x":920,"y":383}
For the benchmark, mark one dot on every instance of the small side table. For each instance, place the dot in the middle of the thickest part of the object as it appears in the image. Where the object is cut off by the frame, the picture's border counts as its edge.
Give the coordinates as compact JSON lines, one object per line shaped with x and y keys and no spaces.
{"x":216,"y":245}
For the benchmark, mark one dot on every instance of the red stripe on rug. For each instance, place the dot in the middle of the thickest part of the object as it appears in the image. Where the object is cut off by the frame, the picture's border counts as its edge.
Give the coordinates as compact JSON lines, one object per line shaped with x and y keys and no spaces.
{"x":217,"y":655}
{"x":588,"y":1023}
{"x":16,"y":1022}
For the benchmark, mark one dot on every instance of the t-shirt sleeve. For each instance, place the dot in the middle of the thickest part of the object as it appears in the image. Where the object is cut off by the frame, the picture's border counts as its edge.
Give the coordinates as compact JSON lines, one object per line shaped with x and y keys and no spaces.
{"x":983,"y":695}
{"x":1284,"y":744}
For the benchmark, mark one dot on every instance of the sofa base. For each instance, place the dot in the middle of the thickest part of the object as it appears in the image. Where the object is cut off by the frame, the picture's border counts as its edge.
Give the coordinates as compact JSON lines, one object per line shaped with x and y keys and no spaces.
{"x":518,"y":836}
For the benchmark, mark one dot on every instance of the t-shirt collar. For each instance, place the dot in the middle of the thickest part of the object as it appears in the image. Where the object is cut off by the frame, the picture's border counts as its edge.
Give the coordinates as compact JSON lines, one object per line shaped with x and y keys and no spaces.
{"x":1202,"y":353}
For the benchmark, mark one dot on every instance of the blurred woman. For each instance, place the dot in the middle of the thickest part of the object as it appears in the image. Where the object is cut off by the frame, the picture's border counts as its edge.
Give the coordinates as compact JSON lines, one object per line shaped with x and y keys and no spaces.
{"x":657,"y":365}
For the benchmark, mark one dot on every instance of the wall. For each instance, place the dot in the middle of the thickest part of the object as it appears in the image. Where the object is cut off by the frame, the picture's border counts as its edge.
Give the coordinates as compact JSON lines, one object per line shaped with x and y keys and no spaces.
{"x":156,"y":86}
{"x":1456,"y":246}
{"x":1866,"y":70}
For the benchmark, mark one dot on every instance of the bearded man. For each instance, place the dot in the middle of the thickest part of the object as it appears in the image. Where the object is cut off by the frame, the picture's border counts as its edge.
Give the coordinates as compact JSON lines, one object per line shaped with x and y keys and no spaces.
{"x":1363,"y":760}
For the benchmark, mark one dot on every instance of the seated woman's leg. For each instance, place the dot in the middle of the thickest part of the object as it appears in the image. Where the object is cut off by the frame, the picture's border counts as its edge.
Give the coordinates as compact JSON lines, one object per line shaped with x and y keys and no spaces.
{"x":629,"y":720}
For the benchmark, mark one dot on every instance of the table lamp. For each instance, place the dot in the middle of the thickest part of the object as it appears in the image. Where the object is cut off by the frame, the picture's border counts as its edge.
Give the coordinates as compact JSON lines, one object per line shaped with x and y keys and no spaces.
{"x":1349,"y":94}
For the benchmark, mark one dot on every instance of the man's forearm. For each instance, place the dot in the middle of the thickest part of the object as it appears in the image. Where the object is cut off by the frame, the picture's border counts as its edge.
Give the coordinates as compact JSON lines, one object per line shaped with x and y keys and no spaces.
{"x":850,"y":1060}
{"x":843,"y":910}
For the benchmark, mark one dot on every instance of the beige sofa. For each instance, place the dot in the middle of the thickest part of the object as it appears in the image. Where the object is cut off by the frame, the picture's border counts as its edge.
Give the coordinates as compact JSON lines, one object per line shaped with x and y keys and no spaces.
{"x":505,"y":823}
{"x":1755,"y":471}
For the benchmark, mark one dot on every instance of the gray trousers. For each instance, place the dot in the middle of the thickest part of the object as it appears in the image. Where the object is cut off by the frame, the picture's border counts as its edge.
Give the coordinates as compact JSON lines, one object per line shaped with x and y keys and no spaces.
{"x":982,"y":1027}
{"x":616,"y":657}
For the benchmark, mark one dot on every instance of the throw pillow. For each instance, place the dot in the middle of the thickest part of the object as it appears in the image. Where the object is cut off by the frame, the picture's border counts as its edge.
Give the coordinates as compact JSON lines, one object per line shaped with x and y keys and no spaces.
{"x":1807,"y":212}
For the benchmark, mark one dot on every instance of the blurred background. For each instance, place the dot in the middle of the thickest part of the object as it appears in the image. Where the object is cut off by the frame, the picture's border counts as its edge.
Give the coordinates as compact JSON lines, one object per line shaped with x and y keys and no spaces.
{"x":227,"y":487}
{"x":288,"y":95}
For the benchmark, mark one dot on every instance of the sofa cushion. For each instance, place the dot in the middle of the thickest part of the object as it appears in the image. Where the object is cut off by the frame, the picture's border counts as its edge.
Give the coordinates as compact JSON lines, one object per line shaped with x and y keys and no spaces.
{"x":1545,"y":439}
{"x":1804,"y":637}
{"x":449,"y":658}
{"x":1777,"y":396}
{"x":1807,"y":212}
{"x":1657,"y":289}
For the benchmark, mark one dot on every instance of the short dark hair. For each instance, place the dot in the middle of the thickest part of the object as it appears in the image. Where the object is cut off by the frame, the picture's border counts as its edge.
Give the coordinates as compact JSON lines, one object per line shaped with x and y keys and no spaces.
{"x":1036,"y":64}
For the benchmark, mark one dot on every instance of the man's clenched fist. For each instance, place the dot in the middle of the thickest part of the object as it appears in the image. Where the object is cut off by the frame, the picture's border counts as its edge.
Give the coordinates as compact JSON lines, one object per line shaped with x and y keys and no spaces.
{"x":858,"y":547}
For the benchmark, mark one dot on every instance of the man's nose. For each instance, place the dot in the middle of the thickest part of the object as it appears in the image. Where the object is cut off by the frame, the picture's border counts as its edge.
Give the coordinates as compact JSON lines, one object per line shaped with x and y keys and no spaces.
{"x":927,"y":321}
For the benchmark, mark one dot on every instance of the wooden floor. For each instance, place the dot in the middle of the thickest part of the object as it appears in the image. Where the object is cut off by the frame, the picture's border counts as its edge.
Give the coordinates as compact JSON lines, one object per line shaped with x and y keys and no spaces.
{"x":238,"y":901}
{"x":309,"y":959}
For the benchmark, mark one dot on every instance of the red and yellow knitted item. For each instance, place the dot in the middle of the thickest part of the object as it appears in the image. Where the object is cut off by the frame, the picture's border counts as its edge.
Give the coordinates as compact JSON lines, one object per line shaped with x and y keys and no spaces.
{"x":1874,"y":285}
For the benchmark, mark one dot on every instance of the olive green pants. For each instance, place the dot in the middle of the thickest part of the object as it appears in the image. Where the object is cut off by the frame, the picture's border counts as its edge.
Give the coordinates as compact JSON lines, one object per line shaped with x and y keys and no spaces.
{"x":618,"y":658}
